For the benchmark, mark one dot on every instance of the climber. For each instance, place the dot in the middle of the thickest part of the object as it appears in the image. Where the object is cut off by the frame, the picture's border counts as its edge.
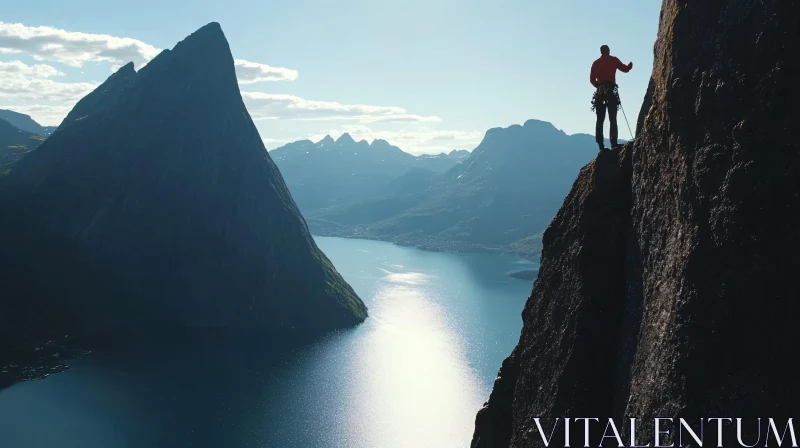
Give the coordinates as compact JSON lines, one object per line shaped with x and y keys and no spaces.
{"x":606,"y":97}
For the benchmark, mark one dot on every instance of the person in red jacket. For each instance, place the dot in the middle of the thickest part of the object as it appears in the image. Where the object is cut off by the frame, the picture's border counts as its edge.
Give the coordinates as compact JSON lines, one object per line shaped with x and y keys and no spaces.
{"x":606,"y":97}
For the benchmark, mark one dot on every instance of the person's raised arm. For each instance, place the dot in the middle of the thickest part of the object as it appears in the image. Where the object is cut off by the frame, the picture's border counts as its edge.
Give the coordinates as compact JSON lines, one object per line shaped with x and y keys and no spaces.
{"x":624,"y":68}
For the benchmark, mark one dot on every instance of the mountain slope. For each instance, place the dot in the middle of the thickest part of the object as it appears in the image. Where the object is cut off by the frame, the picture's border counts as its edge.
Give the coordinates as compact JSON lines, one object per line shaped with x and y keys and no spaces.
{"x":334,"y":173}
{"x":25,"y":123}
{"x":507,"y":190}
{"x":157,"y":203}
{"x":675,"y":296}
{"x":15,"y":143}
{"x":105,"y":97}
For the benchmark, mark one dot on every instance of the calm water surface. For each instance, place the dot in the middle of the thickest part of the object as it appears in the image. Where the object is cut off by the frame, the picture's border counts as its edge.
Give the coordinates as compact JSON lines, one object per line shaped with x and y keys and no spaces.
{"x":413,"y":375}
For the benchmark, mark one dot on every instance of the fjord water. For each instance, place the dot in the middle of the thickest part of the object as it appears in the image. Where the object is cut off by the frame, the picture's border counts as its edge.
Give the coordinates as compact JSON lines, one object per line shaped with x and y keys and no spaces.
{"x":413,"y":375}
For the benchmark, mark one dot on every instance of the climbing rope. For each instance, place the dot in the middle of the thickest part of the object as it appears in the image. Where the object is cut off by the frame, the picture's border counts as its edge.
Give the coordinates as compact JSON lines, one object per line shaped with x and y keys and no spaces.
{"x":626,"y":120}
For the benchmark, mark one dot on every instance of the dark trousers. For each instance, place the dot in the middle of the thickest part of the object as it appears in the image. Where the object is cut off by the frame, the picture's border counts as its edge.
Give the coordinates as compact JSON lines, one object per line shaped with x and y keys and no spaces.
{"x":601,"y":108}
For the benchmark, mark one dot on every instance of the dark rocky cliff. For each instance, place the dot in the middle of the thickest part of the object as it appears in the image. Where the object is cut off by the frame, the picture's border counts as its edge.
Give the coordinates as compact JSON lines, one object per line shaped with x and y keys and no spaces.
{"x":157,"y":203}
{"x":669,"y":282}
{"x":582,"y":260}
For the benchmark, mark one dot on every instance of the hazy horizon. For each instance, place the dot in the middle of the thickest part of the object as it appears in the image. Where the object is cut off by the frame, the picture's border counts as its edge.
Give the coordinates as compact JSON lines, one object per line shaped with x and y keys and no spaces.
{"x":428,"y":77}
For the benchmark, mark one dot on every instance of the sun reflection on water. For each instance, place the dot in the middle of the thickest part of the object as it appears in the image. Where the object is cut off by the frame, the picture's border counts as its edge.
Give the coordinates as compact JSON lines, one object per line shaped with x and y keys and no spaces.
{"x":414,"y":381}
{"x":413,"y":375}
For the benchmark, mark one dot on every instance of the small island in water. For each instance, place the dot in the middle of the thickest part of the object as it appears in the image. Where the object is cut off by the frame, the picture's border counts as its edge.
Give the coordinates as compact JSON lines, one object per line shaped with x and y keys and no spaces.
{"x":525,"y":274}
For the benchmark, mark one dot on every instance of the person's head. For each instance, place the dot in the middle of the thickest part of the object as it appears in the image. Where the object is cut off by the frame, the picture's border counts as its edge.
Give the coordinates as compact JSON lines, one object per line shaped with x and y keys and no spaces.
{"x":604,"y":50}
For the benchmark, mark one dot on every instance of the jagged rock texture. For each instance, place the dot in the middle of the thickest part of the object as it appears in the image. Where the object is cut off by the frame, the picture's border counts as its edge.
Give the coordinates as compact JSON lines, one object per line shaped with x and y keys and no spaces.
{"x":682,"y":303}
{"x":156,"y":202}
{"x":582,"y":261}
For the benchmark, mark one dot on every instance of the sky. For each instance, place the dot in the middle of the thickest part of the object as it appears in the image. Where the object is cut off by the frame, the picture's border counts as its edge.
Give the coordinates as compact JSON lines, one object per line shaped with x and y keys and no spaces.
{"x":426,"y":75}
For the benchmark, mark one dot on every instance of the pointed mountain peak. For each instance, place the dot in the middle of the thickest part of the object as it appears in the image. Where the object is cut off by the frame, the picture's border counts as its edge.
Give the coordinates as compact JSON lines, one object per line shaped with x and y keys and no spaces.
{"x":125,"y":70}
{"x":345,"y":139}
{"x":209,"y":28}
{"x":202,"y":56}
{"x":103,"y":96}
{"x":325,"y":141}
{"x":200,"y":66}
{"x":124,"y":75}
{"x":209,"y":32}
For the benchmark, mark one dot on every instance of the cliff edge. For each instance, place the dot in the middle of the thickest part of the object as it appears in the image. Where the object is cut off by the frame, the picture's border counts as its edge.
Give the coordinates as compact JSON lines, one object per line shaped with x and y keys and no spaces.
{"x":668,"y":285}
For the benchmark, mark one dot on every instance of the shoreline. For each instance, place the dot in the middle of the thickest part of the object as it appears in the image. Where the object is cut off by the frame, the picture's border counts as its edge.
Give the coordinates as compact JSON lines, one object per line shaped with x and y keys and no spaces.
{"x":524,"y":274}
{"x":27,"y":361}
{"x":459,"y":246}
{"x":20,"y":361}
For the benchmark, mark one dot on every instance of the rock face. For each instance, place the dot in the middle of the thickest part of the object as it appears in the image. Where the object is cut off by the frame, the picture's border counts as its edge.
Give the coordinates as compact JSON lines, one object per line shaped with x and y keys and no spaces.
{"x":668,"y":285}
{"x":156,"y":202}
{"x":582,"y":259}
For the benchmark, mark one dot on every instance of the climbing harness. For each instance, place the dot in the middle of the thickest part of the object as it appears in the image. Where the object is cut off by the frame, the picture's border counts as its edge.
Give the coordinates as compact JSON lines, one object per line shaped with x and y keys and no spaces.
{"x":608,"y":94}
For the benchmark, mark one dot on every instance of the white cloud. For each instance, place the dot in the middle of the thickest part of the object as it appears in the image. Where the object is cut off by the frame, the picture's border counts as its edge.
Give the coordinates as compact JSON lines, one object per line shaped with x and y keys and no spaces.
{"x":20,"y":68}
{"x":32,"y":87}
{"x":32,"y":82}
{"x":28,"y":89}
{"x":282,"y":106}
{"x":45,"y":43}
{"x":250,"y":72}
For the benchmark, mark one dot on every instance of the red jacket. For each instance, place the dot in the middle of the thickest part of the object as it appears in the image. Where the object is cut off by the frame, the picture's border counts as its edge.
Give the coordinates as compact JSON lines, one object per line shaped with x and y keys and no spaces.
{"x":605,"y":70}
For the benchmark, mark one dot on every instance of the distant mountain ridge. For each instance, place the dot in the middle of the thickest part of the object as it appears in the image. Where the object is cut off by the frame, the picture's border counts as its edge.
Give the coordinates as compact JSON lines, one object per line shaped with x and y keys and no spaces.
{"x":500,"y":198}
{"x":15,"y":143}
{"x":334,"y":173}
{"x":25,"y":123}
